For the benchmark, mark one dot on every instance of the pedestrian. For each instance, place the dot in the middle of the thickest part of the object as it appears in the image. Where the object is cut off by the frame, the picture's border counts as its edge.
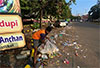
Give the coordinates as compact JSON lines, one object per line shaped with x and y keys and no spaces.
{"x":38,"y":38}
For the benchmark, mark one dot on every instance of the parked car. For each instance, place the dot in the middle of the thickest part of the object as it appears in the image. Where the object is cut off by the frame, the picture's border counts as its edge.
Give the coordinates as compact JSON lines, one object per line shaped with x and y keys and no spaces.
{"x":81,"y":21}
{"x":60,"y":23}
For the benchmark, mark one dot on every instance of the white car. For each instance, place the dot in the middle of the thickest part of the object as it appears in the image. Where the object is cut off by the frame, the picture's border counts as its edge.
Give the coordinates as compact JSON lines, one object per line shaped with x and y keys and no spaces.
{"x":81,"y":21}
{"x":61,"y":23}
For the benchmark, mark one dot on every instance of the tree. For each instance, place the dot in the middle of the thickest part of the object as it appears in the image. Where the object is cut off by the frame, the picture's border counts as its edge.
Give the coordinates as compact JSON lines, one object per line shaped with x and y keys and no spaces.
{"x":94,"y":12}
{"x":25,"y":7}
{"x":45,"y":8}
{"x":56,"y":8}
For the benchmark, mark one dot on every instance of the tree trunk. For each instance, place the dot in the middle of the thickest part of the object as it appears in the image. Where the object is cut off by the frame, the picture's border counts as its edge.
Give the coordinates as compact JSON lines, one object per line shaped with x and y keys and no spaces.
{"x":40,"y":18}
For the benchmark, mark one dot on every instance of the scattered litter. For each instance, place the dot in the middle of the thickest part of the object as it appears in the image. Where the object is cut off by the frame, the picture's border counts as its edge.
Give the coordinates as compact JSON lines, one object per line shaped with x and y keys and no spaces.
{"x":76,"y":53}
{"x":52,"y":37}
{"x":84,"y":56}
{"x":51,"y":56}
{"x":60,"y":35}
{"x":67,"y":53}
{"x":67,"y":35}
{"x":53,"y":41}
{"x":38,"y":59}
{"x":26,"y":52}
{"x":49,"y":48}
{"x":81,"y":50}
{"x":61,"y":41}
{"x":39,"y":55}
{"x":63,"y":33}
{"x":56,"y":36}
{"x":38,"y":65}
{"x":76,"y":47}
{"x":74,"y":43}
{"x":41,"y":66}
{"x":44,"y":57}
{"x":66,"y":61}
{"x":65,"y":44}
{"x":78,"y":67}
{"x":21,"y":56}
{"x":50,"y":51}
{"x":57,"y":62}
{"x":35,"y":30}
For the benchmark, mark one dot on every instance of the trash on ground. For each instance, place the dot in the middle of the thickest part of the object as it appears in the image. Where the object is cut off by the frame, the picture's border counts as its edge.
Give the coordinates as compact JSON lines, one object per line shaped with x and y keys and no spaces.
{"x":26,"y":52}
{"x":44,"y":56}
{"x":78,"y":67}
{"x":62,"y":44}
{"x":49,"y":48}
{"x":66,"y":61}
{"x":21,"y":56}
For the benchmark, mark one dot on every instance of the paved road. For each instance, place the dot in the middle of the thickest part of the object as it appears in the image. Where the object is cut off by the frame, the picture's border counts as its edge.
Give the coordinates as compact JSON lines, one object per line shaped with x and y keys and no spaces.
{"x":89,"y":37}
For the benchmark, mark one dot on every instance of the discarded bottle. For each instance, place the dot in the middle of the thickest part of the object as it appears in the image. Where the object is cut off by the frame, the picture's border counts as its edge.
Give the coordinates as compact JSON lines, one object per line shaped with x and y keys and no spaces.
{"x":76,"y":54}
{"x":59,"y":54}
{"x":66,"y":61}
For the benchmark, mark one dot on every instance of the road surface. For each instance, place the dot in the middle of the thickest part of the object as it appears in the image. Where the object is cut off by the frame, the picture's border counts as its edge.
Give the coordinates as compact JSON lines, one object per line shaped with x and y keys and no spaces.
{"x":89,"y":37}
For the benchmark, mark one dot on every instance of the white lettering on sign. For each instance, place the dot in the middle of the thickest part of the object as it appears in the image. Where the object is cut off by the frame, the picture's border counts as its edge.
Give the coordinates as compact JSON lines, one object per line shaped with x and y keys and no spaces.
{"x":10,"y":24}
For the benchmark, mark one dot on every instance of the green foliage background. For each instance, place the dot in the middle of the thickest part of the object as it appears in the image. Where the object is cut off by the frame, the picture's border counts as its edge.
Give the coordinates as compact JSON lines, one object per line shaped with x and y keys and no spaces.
{"x":55,"y":8}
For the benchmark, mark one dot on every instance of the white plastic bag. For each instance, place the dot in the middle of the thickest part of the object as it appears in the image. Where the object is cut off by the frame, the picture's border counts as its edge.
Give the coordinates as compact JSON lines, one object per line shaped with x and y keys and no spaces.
{"x":49,"y":48}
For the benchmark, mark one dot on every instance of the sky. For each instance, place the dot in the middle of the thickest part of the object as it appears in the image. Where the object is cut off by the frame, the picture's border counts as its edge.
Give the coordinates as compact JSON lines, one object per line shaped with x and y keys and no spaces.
{"x":82,"y":6}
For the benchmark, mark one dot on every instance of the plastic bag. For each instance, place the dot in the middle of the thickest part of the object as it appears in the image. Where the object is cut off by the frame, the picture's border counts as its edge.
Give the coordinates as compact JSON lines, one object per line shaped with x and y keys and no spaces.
{"x":49,"y":48}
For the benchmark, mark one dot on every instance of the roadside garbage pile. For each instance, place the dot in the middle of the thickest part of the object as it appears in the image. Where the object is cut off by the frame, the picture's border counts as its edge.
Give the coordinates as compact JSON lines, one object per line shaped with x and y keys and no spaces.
{"x":59,"y":52}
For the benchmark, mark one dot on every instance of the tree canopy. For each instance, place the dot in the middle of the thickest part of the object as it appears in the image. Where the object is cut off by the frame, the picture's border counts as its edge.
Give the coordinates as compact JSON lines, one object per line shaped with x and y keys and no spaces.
{"x":55,"y":8}
{"x":94,"y":12}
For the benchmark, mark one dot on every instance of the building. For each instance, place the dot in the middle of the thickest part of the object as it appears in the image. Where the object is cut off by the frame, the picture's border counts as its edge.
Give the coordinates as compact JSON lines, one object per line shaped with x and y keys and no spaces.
{"x":84,"y":17}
